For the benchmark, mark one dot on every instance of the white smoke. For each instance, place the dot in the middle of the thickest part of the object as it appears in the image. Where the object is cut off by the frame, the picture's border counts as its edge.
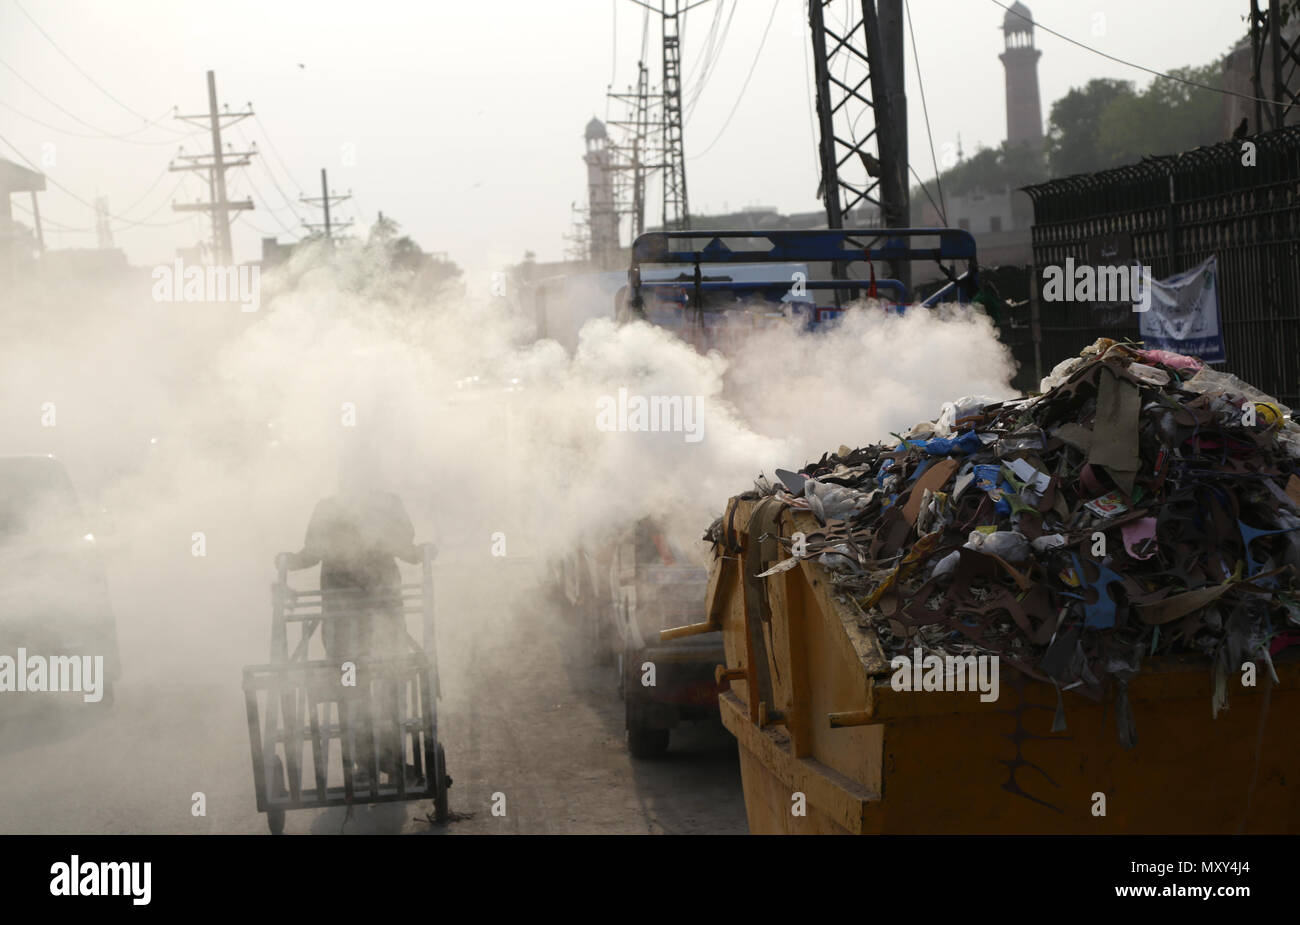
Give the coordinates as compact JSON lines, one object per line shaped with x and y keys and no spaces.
{"x":179,"y":420}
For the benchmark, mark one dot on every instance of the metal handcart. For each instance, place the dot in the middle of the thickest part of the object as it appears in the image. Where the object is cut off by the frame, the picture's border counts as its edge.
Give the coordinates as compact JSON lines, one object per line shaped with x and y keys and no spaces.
{"x":380,"y":706}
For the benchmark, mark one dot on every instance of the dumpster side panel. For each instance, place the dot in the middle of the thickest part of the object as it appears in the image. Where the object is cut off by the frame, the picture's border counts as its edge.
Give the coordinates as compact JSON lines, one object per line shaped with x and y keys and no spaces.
{"x":773,"y":809}
{"x":905,"y":761}
{"x":785,"y":794}
{"x":814,"y":669}
{"x":960,"y":771}
{"x":829,"y":679}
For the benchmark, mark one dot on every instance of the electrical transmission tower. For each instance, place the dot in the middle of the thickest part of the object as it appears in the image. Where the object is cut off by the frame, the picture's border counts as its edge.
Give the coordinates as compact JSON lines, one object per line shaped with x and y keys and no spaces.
{"x":325,"y":200}
{"x":578,"y":240}
{"x":103,"y":231}
{"x":677,"y":212}
{"x":630,"y":156}
{"x":1266,"y":36}
{"x":859,"y":68}
{"x":216,"y":164}
{"x":672,"y":157}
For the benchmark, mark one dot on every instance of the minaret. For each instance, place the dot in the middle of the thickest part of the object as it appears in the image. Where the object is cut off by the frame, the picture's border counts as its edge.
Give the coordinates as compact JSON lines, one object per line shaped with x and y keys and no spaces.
{"x":602,"y":216}
{"x":1024,"y":111}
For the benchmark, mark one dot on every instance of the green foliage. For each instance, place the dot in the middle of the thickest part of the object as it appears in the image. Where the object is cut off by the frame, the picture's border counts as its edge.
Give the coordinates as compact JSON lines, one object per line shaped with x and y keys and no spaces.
{"x":1168,"y":117}
{"x":430,"y":272}
{"x":990,"y":170}
{"x":1108,"y":122}
{"x":1073,"y":128}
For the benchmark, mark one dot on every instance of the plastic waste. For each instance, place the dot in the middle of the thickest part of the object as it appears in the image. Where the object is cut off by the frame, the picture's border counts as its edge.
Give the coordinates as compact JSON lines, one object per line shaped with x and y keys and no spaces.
{"x":954,"y":411}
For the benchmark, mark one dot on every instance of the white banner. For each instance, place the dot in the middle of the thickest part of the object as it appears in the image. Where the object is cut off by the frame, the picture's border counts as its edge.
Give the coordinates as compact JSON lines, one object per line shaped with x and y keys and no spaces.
{"x":1184,"y":314}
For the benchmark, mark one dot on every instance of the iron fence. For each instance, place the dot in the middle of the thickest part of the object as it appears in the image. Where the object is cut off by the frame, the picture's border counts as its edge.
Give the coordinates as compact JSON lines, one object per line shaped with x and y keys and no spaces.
{"x":1171,"y":213}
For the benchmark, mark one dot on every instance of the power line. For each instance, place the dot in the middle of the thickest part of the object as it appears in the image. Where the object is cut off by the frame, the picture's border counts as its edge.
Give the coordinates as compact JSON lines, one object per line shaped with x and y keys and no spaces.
{"x":123,"y":223}
{"x":243,"y":216}
{"x":711,"y":65}
{"x":100,"y":135}
{"x":276,"y":151}
{"x":921,"y":183}
{"x":745,"y":86}
{"x":47,"y":223}
{"x":274,"y":182}
{"x":152,"y":186}
{"x":262,"y":199}
{"x":907,"y":7}
{"x":613,"y":64}
{"x":358,"y":215}
{"x":80,"y":70}
{"x":1140,"y":67}
{"x":706,"y":48}
{"x":72,"y":115}
{"x":84,"y":202}
{"x":157,"y":209}
{"x":807,"y":84}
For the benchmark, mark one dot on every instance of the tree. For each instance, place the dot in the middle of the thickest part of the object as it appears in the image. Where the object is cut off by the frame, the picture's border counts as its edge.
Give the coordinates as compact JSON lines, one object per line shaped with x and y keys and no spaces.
{"x":1168,"y":117}
{"x":1075,"y":122}
{"x":429,"y":273}
{"x":1108,"y":122}
{"x":990,"y":170}
{"x":383,"y":231}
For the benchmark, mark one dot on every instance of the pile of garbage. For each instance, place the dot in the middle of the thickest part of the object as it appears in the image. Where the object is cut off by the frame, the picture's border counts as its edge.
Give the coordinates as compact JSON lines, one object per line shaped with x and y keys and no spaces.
{"x":1142,"y":505}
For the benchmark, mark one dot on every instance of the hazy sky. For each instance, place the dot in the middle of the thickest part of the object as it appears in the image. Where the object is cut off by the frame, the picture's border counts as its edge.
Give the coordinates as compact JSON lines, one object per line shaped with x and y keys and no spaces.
{"x":463,"y":119}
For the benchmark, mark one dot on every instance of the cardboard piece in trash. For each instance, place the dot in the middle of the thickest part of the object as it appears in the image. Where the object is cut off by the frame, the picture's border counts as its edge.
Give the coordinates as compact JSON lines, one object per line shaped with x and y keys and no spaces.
{"x":1114,"y":442}
{"x":933,"y":478}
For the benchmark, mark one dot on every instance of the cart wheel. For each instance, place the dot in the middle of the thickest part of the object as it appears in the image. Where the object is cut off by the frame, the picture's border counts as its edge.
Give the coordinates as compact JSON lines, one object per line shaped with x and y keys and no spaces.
{"x":441,"y":812}
{"x":275,"y":817}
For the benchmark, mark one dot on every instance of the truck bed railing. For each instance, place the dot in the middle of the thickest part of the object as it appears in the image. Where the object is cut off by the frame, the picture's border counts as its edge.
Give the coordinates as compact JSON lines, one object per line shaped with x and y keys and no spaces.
{"x":840,"y":248}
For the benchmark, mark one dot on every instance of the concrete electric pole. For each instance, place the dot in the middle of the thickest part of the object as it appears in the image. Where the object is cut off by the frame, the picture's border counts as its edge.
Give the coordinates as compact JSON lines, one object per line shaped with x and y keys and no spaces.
{"x":325,"y":200}
{"x":216,"y":164}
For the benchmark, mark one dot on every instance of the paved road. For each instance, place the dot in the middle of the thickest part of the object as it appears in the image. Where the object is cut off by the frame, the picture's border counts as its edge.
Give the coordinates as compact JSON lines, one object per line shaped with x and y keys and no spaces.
{"x":522,"y":716}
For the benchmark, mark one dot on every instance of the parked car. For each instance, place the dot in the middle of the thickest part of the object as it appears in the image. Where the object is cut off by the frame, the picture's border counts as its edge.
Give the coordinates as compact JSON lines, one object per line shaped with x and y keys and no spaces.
{"x":53,"y":593}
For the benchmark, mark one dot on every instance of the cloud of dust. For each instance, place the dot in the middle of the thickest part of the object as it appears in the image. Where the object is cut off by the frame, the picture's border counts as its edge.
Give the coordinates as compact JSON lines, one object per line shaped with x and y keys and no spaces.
{"x":186,"y":419}
{"x":876,"y":373}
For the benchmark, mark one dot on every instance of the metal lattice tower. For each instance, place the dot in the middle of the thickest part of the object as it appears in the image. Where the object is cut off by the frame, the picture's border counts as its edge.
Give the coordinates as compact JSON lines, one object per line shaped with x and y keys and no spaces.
{"x":630,"y":156}
{"x":677,"y":213}
{"x":858,"y":68}
{"x":640,"y":149}
{"x":1267,"y":38}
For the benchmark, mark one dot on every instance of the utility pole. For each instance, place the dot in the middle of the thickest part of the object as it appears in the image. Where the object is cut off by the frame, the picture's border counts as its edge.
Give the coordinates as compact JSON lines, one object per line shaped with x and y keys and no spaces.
{"x":36,"y":216}
{"x":324,"y":201}
{"x":857,"y":70}
{"x":216,"y":164}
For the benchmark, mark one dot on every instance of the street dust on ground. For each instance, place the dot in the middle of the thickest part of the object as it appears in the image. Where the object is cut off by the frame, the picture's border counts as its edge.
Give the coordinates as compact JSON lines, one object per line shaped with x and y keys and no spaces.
{"x":532,"y":729}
